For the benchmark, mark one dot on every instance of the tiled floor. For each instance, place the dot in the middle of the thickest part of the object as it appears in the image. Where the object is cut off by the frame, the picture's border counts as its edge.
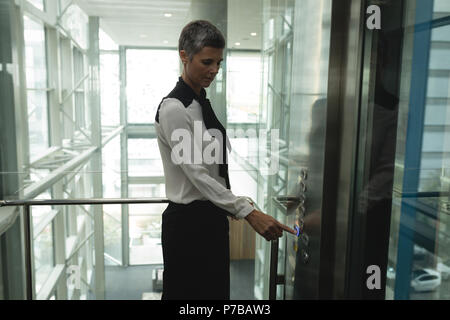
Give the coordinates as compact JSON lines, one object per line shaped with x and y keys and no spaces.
{"x":135,"y":282}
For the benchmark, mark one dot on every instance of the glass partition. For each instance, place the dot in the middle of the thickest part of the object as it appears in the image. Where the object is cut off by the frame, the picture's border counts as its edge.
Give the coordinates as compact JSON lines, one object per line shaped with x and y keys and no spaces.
{"x":151,"y":75}
{"x":403,"y":166}
{"x":112,"y":214}
{"x":274,"y":119}
{"x":418,"y":266}
{"x":243,"y":92}
{"x":110,"y":89}
{"x":75,"y":21}
{"x":133,"y":80}
{"x":43,"y":256}
{"x":36,"y":78}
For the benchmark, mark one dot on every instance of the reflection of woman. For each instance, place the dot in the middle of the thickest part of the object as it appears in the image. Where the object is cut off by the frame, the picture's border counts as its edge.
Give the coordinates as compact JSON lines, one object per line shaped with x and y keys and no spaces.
{"x":195,"y":227}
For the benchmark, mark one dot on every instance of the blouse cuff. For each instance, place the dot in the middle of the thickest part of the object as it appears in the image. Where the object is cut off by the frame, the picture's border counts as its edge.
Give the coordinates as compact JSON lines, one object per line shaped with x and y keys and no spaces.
{"x":245,"y":208}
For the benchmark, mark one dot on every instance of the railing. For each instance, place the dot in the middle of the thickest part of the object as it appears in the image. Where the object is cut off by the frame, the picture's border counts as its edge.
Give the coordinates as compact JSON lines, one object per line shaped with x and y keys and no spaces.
{"x":26,"y":204}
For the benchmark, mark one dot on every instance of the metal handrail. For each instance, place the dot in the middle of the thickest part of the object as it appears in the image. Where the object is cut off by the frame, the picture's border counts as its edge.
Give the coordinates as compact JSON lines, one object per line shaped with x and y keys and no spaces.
{"x":274,"y":278}
{"x":273,"y":270}
{"x":26,"y":204}
{"x":58,"y":202}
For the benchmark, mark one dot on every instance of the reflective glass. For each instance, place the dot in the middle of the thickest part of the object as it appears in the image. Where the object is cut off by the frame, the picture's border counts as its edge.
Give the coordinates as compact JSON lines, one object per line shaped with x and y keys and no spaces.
{"x":151,"y":75}
{"x":81,"y":114}
{"x":112,"y":214}
{"x":36,"y":77}
{"x":145,"y":239}
{"x":39,"y":213}
{"x":35,"y":54}
{"x":243,"y":91}
{"x":110,"y":89}
{"x":43,"y":257}
{"x":404,"y":180}
{"x":37,"y":122}
{"x":419,"y":223}
{"x":153,"y":190}
{"x":111,"y":169}
{"x":285,"y":23}
{"x":145,"y":229}
{"x":112,"y":222}
{"x":144,"y":158}
{"x":76,"y":22}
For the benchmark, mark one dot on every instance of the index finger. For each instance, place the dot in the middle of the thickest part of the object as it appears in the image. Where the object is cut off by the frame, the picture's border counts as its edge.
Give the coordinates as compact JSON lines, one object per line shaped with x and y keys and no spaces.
{"x":286,"y":228}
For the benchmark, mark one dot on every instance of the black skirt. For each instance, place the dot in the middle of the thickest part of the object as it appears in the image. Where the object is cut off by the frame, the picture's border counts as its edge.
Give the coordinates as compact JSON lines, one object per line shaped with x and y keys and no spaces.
{"x":195,"y":243}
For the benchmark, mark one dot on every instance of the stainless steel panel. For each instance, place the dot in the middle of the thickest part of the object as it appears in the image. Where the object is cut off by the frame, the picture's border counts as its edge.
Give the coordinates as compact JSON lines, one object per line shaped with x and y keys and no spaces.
{"x":311,"y":50}
{"x":323,"y":126}
{"x":345,"y":86}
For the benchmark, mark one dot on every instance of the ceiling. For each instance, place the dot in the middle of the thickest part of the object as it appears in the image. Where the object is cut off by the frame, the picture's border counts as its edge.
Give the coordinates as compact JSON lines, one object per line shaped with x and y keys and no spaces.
{"x":143,"y":22}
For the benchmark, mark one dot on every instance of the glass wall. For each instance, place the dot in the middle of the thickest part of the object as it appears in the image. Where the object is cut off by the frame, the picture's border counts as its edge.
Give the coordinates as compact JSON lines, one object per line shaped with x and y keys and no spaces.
{"x":403,"y":168}
{"x":112,"y":214}
{"x":54,"y":144}
{"x":242,"y":103}
{"x":75,"y":23}
{"x":43,"y":256}
{"x":151,"y":75}
{"x":419,"y":265}
{"x":274,"y":118}
{"x":112,"y":152}
{"x":243,"y":92}
{"x":145,"y":179}
{"x":36,"y":74}
{"x":110,"y":89}
{"x":82,"y":115}
{"x":62,"y":161}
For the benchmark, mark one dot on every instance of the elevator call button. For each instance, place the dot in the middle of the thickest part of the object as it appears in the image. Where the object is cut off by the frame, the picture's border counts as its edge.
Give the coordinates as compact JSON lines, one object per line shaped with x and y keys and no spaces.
{"x":296,"y":228}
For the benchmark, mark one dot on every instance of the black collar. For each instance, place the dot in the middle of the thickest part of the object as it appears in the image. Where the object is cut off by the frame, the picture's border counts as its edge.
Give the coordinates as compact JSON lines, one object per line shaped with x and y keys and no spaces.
{"x":186,"y":93}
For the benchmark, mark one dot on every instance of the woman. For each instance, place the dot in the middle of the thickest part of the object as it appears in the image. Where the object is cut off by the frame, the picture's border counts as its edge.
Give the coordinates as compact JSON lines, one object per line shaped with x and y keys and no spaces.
{"x":195,"y":226}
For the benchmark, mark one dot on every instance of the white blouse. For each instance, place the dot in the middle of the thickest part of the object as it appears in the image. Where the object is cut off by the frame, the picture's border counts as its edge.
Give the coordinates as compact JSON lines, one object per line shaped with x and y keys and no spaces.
{"x":192,"y":180}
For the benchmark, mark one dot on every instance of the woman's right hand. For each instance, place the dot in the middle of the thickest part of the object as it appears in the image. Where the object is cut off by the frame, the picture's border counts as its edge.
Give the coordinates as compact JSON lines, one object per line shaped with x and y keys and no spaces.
{"x":267,"y":226}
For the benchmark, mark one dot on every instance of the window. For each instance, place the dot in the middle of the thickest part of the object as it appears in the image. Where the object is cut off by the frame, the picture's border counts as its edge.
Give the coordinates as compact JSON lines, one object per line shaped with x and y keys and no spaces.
{"x":75,"y":22}
{"x":110,"y":89}
{"x":36,"y":78}
{"x":144,"y":158}
{"x":145,"y":172}
{"x":112,"y":214}
{"x":43,"y":256}
{"x":151,"y":75}
{"x":109,"y":80}
{"x":81,"y":116}
{"x":145,"y":234}
{"x":243,"y":87}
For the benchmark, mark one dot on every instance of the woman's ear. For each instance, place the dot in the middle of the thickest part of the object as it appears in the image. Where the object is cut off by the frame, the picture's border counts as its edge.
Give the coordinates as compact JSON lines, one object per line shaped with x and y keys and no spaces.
{"x":183,"y":56}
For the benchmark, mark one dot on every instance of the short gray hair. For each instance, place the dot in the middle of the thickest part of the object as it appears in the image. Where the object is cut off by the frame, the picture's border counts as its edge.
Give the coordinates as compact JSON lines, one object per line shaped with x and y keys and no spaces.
{"x":199,"y":34}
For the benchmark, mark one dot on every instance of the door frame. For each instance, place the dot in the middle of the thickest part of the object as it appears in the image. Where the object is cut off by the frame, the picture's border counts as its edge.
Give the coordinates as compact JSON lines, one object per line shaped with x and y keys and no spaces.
{"x":343,"y":110}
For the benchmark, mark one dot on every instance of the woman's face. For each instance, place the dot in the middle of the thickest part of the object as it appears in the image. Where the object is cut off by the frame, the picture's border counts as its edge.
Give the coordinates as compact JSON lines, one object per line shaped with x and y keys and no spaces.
{"x":202,"y":69}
